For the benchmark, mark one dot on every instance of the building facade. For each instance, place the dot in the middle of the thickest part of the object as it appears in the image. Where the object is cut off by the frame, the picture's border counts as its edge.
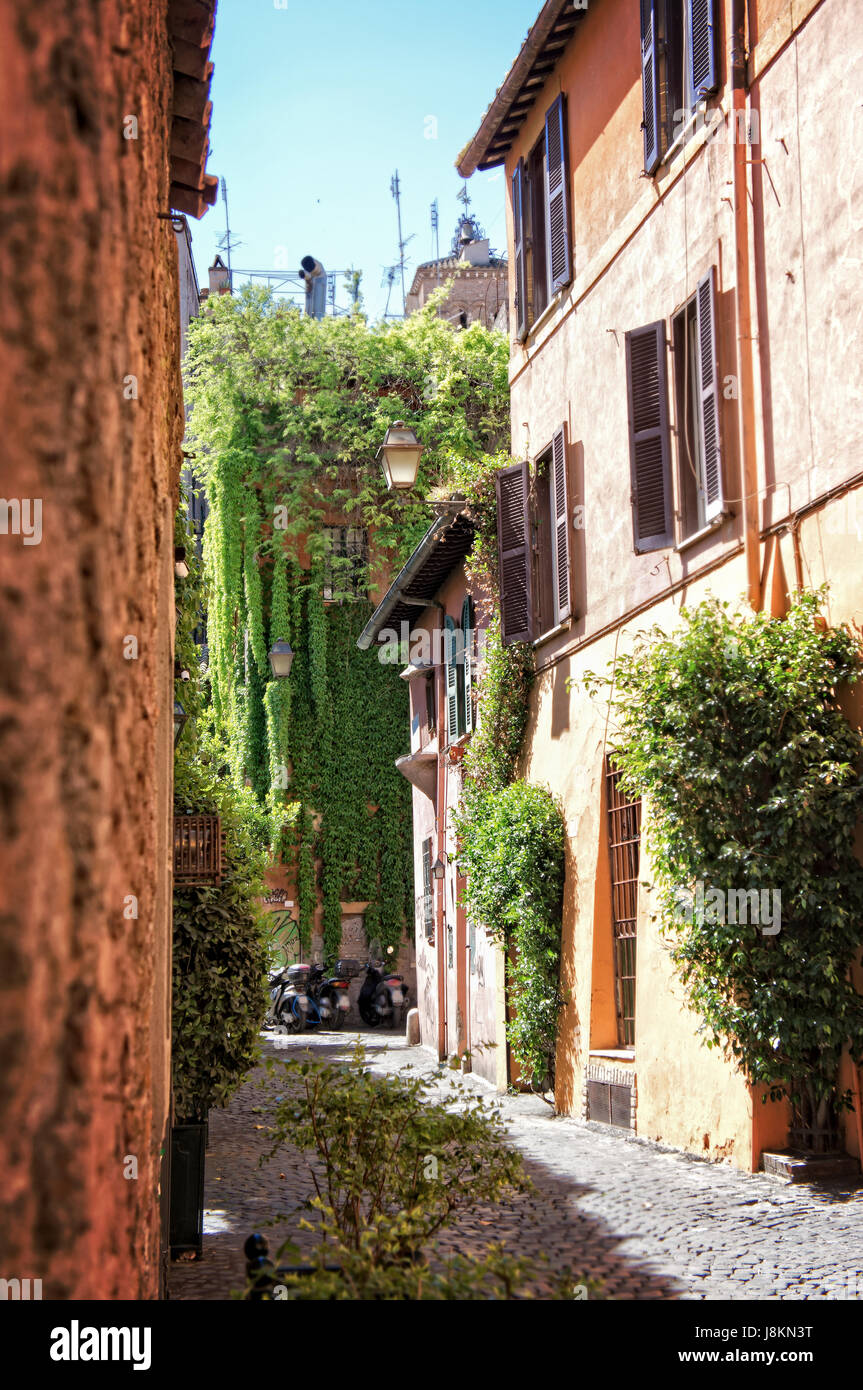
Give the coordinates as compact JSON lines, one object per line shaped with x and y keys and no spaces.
{"x":684,"y":229}
{"x":479,"y":293}
{"x":433,"y":620}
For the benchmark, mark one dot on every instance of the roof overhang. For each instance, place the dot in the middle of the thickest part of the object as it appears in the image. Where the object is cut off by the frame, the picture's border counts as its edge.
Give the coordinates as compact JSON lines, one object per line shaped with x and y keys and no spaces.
{"x":554,"y":27}
{"x":444,"y":545}
{"x":190,"y":27}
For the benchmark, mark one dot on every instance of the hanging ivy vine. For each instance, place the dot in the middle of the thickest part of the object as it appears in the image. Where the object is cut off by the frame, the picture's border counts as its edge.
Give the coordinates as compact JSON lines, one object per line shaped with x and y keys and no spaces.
{"x":287,"y":416}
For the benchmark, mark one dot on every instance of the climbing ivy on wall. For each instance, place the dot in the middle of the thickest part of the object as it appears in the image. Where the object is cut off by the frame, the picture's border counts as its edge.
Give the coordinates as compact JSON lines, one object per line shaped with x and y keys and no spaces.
{"x":287,"y":416}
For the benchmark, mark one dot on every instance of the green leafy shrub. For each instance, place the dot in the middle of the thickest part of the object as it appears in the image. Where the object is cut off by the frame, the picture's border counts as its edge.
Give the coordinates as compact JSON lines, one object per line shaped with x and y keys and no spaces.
{"x":513,"y":853}
{"x":393,"y":1165}
{"x":732,"y":729}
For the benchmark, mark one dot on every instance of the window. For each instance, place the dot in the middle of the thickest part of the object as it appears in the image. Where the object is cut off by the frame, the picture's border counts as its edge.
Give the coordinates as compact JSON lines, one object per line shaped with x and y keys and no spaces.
{"x":678,"y":68}
{"x":428,"y":893}
{"x":345,"y":563}
{"x":458,"y":669}
{"x":533,"y":545}
{"x":431,"y":705}
{"x":540,"y":209}
{"x":696,"y":387}
{"x":624,"y":844}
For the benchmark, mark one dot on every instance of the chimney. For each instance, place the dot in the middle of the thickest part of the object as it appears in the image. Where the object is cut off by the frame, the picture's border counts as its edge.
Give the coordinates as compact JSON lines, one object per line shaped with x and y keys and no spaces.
{"x":220,"y":277}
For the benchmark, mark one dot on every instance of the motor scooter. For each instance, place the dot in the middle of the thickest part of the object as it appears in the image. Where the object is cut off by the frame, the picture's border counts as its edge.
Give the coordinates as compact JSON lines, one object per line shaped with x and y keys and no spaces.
{"x":384,"y":995}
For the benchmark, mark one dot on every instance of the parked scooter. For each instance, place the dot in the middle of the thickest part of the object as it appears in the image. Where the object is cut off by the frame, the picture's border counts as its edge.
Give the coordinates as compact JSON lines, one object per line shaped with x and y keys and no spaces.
{"x":330,"y":992}
{"x":384,"y":995}
{"x":291,"y":1002}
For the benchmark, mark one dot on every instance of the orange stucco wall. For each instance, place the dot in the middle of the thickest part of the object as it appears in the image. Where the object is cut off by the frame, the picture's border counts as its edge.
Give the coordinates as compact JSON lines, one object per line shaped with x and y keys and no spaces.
{"x":640,"y":246}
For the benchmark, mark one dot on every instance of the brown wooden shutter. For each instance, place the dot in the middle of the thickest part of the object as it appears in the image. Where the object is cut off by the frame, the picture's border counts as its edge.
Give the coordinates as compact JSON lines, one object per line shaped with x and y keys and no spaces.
{"x":557,"y":206}
{"x":513,"y":537}
{"x":519,"y":251}
{"x":708,"y":387}
{"x":647,"y":386}
{"x":650,"y":85}
{"x":703,"y":66}
{"x":560,"y":525}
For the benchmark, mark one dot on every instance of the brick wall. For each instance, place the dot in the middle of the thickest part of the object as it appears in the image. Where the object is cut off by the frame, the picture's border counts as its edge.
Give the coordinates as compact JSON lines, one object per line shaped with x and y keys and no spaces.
{"x":87,"y":300}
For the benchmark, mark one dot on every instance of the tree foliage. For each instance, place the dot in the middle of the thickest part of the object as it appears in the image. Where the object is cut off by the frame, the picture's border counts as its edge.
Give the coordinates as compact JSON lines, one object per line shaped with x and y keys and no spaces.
{"x":731,"y":727}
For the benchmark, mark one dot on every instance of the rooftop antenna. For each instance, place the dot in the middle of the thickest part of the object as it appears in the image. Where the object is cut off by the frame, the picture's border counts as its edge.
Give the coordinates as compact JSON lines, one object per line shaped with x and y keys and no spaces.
{"x":395,"y":189}
{"x":436,"y":236}
{"x":227,"y":242}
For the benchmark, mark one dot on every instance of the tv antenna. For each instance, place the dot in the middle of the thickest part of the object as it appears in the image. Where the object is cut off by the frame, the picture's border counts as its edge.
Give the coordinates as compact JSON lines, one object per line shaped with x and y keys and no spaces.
{"x":435,"y":224}
{"x":395,"y":189}
{"x":228,"y":242}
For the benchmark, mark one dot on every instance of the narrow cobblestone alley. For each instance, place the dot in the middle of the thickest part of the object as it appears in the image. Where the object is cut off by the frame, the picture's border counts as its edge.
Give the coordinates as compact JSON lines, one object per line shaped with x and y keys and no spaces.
{"x":650,"y":1223}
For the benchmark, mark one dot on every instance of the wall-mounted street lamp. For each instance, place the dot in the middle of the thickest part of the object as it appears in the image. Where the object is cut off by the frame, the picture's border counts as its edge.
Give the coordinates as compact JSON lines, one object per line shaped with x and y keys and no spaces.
{"x":438,"y":869}
{"x":181,"y":569}
{"x":399,"y":456}
{"x":281,"y":658}
{"x":180,"y":717}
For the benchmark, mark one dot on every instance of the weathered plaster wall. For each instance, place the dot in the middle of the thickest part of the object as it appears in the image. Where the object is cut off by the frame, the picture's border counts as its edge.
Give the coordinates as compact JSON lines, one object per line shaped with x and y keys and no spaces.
{"x":88,"y":298}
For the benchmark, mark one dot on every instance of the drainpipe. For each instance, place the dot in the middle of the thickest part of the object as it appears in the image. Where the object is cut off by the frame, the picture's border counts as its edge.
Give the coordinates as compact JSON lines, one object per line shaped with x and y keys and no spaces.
{"x":440,"y":885}
{"x":743,"y":312}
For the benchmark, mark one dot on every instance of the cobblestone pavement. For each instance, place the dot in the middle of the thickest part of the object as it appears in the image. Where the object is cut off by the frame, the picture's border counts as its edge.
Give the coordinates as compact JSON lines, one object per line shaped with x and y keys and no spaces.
{"x":648,"y":1221}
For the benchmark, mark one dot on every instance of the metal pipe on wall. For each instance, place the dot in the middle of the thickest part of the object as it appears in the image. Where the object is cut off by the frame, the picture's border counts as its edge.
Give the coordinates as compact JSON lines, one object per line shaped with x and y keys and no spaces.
{"x":740,"y":148}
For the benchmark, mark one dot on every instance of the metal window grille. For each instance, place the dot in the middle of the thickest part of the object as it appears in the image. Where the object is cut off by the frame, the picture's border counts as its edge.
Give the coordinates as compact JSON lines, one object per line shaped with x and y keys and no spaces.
{"x":346,"y":562}
{"x":624,"y":841}
{"x":428,"y":896}
{"x":197,"y":850}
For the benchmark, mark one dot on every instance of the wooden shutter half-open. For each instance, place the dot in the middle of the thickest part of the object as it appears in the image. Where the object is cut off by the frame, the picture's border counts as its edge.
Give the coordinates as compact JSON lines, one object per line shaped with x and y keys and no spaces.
{"x":520,"y":304}
{"x":467,"y":632}
{"x":451,"y":681}
{"x":647,"y":387}
{"x":650,"y":85}
{"x":513,"y":539}
{"x":708,"y":389}
{"x":557,"y":194}
{"x":703,"y":67}
{"x":560,"y":527}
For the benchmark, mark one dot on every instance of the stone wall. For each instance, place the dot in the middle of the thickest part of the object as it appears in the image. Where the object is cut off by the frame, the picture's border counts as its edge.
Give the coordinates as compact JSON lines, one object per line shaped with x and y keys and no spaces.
{"x":92,"y":416}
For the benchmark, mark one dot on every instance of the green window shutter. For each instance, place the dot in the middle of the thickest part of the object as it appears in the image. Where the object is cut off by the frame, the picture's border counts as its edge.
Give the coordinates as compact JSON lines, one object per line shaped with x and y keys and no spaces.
{"x":649,"y":452}
{"x":467,"y":631}
{"x":708,"y":388}
{"x":451,"y":681}
{"x":560,"y":528}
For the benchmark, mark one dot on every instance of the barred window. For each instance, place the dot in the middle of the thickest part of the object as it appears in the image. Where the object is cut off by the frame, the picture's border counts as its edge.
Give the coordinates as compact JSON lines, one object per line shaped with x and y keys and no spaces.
{"x":346,"y":562}
{"x":428,"y":898}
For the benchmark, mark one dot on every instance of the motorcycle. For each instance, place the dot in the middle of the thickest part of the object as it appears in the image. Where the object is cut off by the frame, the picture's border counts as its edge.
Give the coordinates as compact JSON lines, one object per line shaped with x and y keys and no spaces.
{"x":291,"y":1003}
{"x":384,"y":995}
{"x":330,"y":992}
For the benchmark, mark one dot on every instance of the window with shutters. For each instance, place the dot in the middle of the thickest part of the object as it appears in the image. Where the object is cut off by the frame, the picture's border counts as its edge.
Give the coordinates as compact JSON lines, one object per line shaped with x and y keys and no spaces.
{"x":679,"y":67}
{"x":346,"y":562}
{"x":428,"y":894}
{"x":459,"y":644}
{"x":534,"y":545}
{"x":649,"y":440}
{"x":697,"y":410}
{"x":430,"y":706}
{"x":540,"y":206}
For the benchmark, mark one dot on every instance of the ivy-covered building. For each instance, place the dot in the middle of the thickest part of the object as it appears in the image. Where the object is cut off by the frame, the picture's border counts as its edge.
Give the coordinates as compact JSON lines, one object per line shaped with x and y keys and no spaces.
{"x":433,"y":621}
{"x":680,"y":224}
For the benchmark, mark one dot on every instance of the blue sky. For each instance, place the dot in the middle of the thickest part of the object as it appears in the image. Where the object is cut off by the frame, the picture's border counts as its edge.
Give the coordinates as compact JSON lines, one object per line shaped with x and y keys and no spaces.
{"x":315,"y":106}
